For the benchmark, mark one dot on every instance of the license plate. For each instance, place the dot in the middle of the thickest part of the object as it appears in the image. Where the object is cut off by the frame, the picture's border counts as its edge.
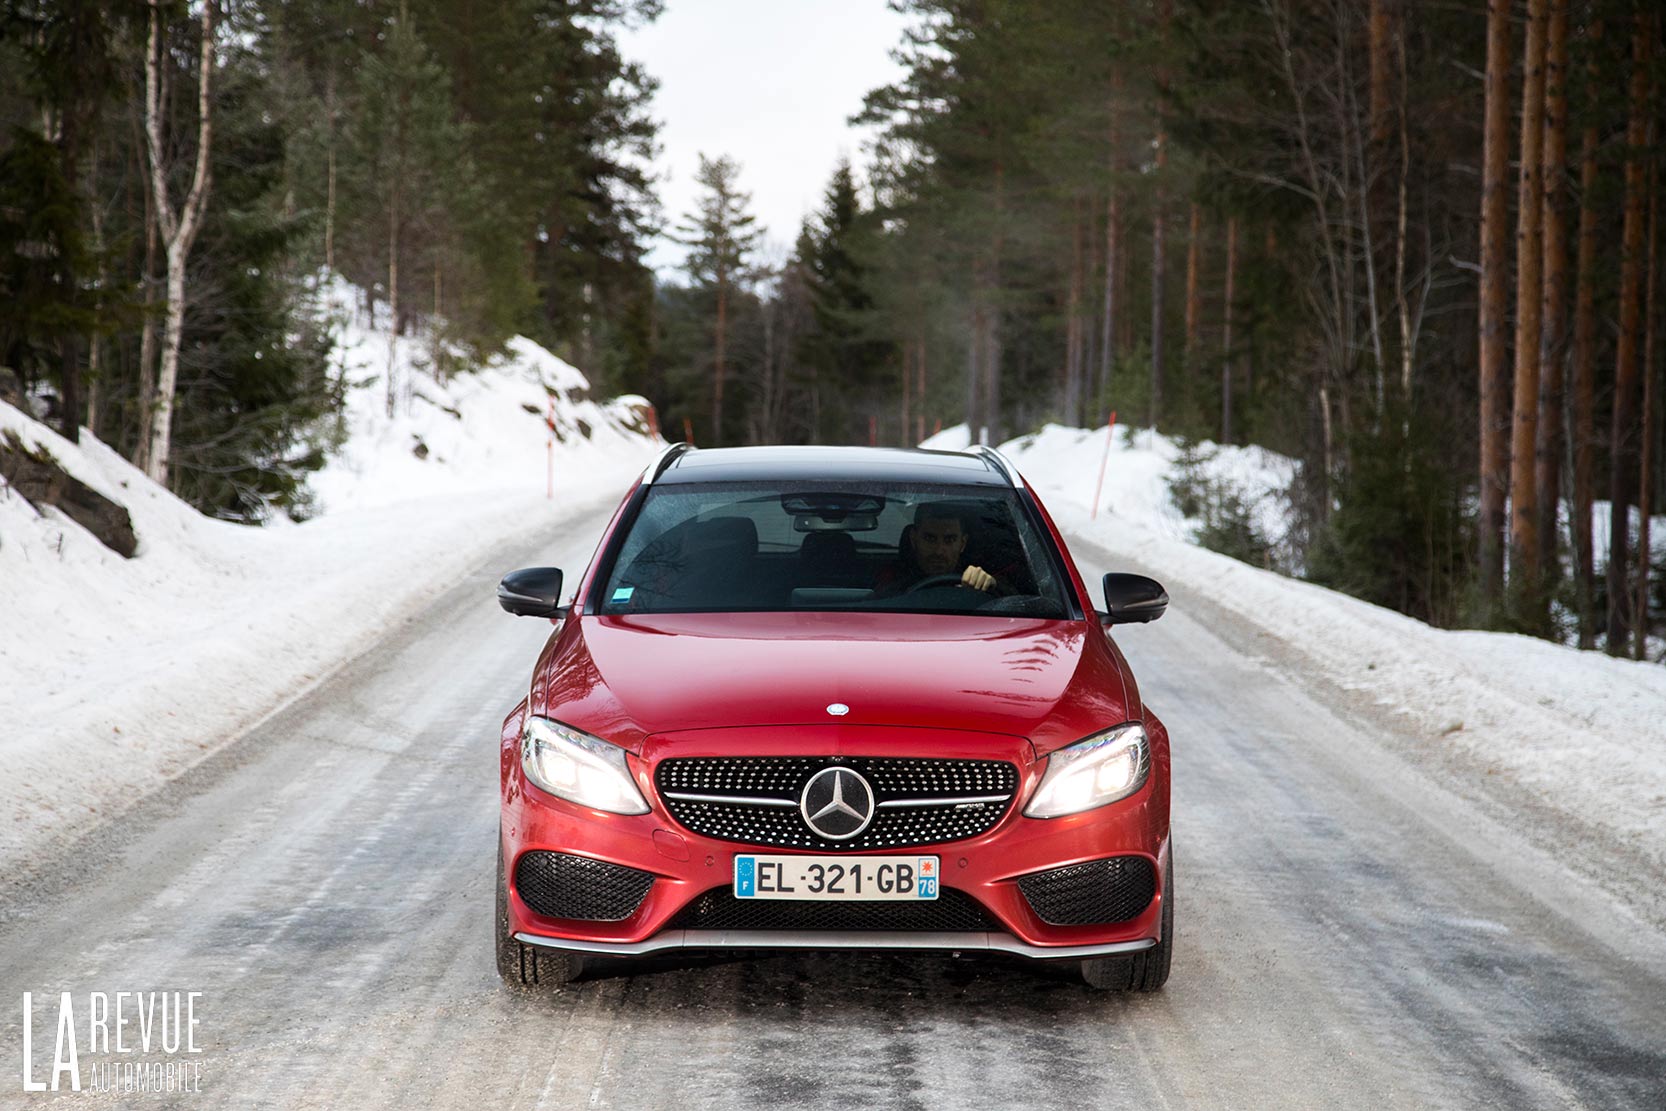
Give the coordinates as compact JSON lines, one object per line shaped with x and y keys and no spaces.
{"x":867,"y":878}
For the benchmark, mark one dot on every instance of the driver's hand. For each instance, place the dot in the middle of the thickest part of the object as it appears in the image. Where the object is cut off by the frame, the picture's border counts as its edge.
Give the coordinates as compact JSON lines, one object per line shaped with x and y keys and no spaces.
{"x":977,"y":578}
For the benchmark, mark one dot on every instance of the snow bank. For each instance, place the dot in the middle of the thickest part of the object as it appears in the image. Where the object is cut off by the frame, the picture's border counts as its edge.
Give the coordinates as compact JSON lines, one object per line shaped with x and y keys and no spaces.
{"x":116,"y":674}
{"x":1582,"y":733}
{"x":1138,"y":469}
{"x":478,"y":432}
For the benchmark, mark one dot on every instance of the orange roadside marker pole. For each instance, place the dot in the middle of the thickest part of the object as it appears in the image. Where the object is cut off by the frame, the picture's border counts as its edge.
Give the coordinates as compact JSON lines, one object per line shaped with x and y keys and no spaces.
{"x":549,"y":452}
{"x":1110,"y":428}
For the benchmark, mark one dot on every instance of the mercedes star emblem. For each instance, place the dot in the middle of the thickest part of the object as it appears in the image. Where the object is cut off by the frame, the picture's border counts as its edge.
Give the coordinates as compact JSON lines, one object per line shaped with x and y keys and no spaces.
{"x":838,"y":803}
{"x":838,"y":709}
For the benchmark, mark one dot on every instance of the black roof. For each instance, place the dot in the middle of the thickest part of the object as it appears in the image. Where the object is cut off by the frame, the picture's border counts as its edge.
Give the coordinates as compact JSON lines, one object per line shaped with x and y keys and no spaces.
{"x":813,"y":463}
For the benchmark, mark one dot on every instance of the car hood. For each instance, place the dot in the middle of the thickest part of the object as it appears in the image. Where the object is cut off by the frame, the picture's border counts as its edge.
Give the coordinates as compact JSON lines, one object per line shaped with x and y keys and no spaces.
{"x":627,"y":678}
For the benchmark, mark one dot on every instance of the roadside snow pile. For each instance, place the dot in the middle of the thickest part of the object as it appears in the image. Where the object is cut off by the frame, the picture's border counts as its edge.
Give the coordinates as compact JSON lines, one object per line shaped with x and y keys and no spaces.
{"x":116,"y":674}
{"x":1138,"y":472}
{"x":481,"y":431}
{"x":1580,"y":732}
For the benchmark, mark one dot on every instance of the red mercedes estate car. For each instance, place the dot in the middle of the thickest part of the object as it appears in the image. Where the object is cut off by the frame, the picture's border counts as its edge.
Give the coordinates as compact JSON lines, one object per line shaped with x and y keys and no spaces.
{"x":833,"y":698}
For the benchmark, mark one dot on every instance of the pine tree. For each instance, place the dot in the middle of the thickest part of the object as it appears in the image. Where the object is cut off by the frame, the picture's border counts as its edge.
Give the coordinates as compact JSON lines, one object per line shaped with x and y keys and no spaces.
{"x":842,"y":345}
{"x":721,"y":235}
{"x":406,"y":160}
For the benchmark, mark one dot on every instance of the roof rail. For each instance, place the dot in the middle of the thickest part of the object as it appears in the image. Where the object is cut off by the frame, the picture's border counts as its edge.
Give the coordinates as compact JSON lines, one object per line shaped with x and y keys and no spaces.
{"x":663,"y":460}
{"x":1002,"y":465}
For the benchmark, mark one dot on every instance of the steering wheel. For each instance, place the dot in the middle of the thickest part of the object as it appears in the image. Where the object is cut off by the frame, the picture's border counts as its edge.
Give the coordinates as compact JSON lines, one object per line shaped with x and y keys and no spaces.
{"x":938,"y":580}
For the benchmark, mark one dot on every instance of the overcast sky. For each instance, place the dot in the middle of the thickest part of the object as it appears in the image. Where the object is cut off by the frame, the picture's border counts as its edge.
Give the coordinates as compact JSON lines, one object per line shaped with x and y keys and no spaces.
{"x":769,"y":83}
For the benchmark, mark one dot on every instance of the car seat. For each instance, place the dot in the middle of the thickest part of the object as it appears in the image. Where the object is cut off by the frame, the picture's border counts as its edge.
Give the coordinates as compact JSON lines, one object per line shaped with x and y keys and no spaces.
{"x":829,"y":559}
{"x":718,"y":564}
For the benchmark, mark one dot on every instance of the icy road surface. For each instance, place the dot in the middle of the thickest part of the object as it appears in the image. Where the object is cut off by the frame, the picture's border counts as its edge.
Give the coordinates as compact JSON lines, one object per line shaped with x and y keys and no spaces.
{"x":1351,"y":933}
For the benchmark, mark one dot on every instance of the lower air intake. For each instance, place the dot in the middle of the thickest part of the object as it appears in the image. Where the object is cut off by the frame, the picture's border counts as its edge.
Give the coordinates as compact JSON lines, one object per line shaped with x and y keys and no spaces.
{"x":559,"y":885}
{"x":718,"y":909}
{"x":1093,"y":893}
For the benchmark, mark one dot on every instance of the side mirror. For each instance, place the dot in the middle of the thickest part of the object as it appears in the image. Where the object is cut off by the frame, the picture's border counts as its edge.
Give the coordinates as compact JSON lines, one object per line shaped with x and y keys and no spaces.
{"x":1131,"y":598}
{"x":532,"y":592}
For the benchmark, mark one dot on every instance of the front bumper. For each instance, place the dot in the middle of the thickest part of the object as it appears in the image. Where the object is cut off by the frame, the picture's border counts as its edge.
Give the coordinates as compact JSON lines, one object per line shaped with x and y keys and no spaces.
{"x":986,"y":868}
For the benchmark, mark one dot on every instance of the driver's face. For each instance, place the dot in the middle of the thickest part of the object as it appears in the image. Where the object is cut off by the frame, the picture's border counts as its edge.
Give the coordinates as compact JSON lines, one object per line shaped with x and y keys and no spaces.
{"x":937,"y":545}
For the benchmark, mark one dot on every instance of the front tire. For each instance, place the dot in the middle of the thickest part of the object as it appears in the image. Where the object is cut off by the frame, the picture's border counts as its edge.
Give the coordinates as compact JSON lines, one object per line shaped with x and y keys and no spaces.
{"x":529,"y":967}
{"x":1147,"y":971}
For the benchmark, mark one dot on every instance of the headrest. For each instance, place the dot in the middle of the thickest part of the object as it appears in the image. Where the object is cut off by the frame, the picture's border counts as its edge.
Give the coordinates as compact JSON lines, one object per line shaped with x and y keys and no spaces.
{"x":905,"y":546}
{"x":733,"y":536}
{"x":828,"y":551}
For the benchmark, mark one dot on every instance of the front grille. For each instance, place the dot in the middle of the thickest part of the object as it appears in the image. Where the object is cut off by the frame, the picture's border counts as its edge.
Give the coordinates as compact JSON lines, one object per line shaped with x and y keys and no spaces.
{"x":1093,"y":893}
{"x":560,"y":885}
{"x":758,"y":799}
{"x":718,"y":909}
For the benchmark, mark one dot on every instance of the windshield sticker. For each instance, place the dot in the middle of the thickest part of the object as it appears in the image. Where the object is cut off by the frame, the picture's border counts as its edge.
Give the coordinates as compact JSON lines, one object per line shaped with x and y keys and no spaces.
{"x":623,"y":594}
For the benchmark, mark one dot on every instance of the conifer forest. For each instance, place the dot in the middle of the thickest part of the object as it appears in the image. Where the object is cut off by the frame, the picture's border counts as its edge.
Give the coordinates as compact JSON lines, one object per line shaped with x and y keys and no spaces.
{"x":1415,"y":246}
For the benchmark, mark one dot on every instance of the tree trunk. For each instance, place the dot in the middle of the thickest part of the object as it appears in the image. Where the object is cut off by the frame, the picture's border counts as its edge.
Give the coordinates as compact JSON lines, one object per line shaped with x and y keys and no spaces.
{"x":69,"y":359}
{"x":69,"y":376}
{"x":1158,"y":259}
{"x":1582,"y":424}
{"x":1494,"y":371}
{"x":717,"y":361}
{"x":330,"y":172}
{"x":920,"y":370}
{"x":1108,"y":331}
{"x":766,"y":425}
{"x":991,"y":348}
{"x":1074,"y":330}
{"x":1226,"y":329}
{"x":992,"y":318}
{"x":167,"y":383}
{"x":1108,"y":334}
{"x":146,"y":398}
{"x":95,"y":344}
{"x":95,"y":368}
{"x":1526,"y":589}
{"x":1159,"y":200}
{"x":1554,"y":314}
{"x":393,"y":295}
{"x":907,"y":391}
{"x":1194,"y":249}
{"x":1329,"y":448}
{"x":1381,"y":54}
{"x":1401,"y":224}
{"x":178,"y":232}
{"x":1623,"y":428}
{"x":1645,"y":419}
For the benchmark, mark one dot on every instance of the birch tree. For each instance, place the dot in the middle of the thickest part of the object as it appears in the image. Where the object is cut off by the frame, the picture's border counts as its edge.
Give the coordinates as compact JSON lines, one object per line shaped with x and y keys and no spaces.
{"x":178,"y":227}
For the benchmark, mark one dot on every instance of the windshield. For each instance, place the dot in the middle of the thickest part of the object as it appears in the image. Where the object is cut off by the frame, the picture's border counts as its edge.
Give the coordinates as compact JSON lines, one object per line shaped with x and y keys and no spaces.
{"x":748,"y":547}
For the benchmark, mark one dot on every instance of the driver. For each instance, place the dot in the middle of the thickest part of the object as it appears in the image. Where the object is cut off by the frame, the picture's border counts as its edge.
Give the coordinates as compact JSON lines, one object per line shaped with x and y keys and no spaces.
{"x":935,"y":548}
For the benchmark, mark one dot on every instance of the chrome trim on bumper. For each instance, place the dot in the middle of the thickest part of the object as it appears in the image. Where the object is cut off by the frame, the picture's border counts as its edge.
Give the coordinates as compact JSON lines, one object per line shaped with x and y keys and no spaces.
{"x":977,"y":941}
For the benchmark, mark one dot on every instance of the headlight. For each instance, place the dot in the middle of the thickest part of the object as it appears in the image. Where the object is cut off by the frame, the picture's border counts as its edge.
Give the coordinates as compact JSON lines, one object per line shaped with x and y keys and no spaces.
{"x":578,"y":767}
{"x":1107,"y":766}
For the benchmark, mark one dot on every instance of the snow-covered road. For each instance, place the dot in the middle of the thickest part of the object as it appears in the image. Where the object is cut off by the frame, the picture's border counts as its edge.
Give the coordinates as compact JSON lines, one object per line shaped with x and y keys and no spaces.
{"x":1352,"y":931}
